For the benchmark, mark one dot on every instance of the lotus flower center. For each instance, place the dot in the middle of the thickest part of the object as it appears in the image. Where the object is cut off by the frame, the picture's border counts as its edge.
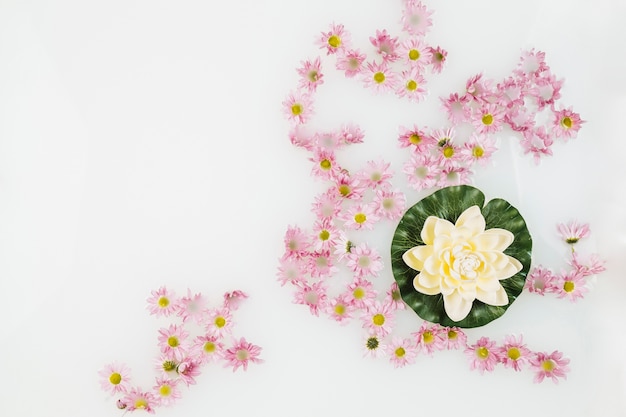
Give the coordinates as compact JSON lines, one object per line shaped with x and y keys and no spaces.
{"x":467,"y":265}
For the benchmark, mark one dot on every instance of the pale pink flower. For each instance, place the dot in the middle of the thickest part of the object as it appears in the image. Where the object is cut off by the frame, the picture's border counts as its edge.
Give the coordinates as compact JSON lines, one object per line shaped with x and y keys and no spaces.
{"x":324,"y":164}
{"x":340,"y":309}
{"x":167,"y":391}
{"x":422,"y":171}
{"x":519,"y":118}
{"x":311,"y":74}
{"x":291,"y":270}
{"x":430,"y":337}
{"x":325,"y":235}
{"x":351,"y":133}
{"x":415,"y":53}
{"x":241,"y":353}
{"x":514,"y":353}
{"x":207,"y":348}
{"x":166,"y":366}
{"x":488,"y":118}
{"x":327,"y":205}
{"x":454,"y":338}
{"x":361,"y":293}
{"x":566,"y":123}
{"x":378,"y":319}
{"x":219,"y":322}
{"x":538,"y":142}
{"x":448,"y":152}
{"x":191,"y":307}
{"x":373,"y":346}
{"x":328,"y":141}
{"x":483,"y":355}
{"x":343,"y":246}
{"x":412,"y":85}
{"x":233,"y":299}
{"x":379,"y":77}
{"x":188,"y":369}
{"x":376,"y":174}
{"x":162,"y":302}
{"x":393,"y":299}
{"x":336,"y":39}
{"x":401,"y":352}
{"x":572,"y":232}
{"x":364,"y":261}
{"x":591,"y":266}
{"x":416,"y":18}
{"x":299,"y":136}
{"x":360,"y":216}
{"x":552,"y":366}
{"x":136,"y":399}
{"x":313,"y":295}
{"x":478,"y":148}
{"x":454,"y":175}
{"x":321,"y":264}
{"x":390,"y":203}
{"x":115,"y":378}
{"x":173,"y":341}
{"x":298,"y":107}
{"x":540,"y":280}
{"x":478,"y":88}
{"x":511,"y":92}
{"x":385,"y":45}
{"x":571,"y":284}
{"x":547,"y":90}
{"x":438,"y":59}
{"x":416,"y":138}
{"x":531,"y":64}
{"x":457,"y":107}
{"x":351,"y":62}
{"x":349,"y":187}
{"x":296,"y":242}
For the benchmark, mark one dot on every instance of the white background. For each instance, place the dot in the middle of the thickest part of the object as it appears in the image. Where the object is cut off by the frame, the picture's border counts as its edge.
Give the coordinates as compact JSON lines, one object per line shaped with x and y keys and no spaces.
{"x":142,"y":143}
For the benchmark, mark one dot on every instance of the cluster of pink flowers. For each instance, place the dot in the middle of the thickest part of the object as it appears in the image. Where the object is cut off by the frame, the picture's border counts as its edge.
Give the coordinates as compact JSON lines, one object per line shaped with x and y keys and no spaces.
{"x":182,"y":356}
{"x":573,"y":282}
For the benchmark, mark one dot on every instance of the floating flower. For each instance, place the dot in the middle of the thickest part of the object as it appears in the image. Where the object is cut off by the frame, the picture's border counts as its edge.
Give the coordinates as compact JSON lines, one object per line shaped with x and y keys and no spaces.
{"x":552,"y":366}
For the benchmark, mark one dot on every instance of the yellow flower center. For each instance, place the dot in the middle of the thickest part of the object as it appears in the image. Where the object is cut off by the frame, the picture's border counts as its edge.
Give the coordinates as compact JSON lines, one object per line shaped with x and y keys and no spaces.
{"x":482,"y":352}
{"x":360,"y":218}
{"x":115,"y":378}
{"x":513,"y":353}
{"x":165,"y":390}
{"x":242,"y":354}
{"x":334,"y":41}
{"x":428,"y":337}
{"x":324,"y":235}
{"x":478,"y":152}
{"x":358,"y":293}
{"x":487,"y":119}
{"x":209,"y":347}
{"x":452,"y":334}
{"x":344,"y":190}
{"x":172,"y":341}
{"x":415,"y":139}
{"x":340,"y":309}
{"x":169,"y":366}
{"x":296,"y":109}
{"x":439,"y":56}
{"x":388,"y":203}
{"x":400,"y":352}
{"x":313,"y":76}
{"x":414,"y":54}
{"x":220,"y":322}
{"x":547,"y":365}
{"x":566,"y":122}
{"x":325,"y":164}
{"x":378,"y":319}
{"x":141,"y":403}
{"x":379,"y":77}
{"x":568,"y":286}
{"x":448,"y":151}
{"x":163,"y":302}
{"x":411,"y":85}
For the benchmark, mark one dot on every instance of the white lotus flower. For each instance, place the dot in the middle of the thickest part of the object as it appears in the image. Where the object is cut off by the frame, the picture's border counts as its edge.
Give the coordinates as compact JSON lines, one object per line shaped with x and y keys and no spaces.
{"x":462,"y":261}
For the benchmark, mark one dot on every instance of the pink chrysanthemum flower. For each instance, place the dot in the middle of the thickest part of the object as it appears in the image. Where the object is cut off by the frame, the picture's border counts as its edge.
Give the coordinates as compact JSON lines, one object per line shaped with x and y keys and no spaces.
{"x":207,"y":348}
{"x":520,"y":119}
{"x":401,"y":352}
{"x":291,"y":270}
{"x":422,"y":171}
{"x":364,"y":261}
{"x":296,"y":242}
{"x":416,"y":138}
{"x":514,"y":353}
{"x":167,"y":391}
{"x":591,"y":266}
{"x":571,"y":284}
{"x":219,"y":322}
{"x":572,"y":232}
{"x":483,"y":355}
{"x":376,"y":174}
{"x":454,"y":175}
{"x":552,"y":366}
{"x":457,"y":107}
{"x":324,"y":164}
{"x":299,"y":136}
{"x":298,"y":107}
{"x":360,"y":216}
{"x":166,"y":366}
{"x":412,"y":85}
{"x":361,"y":293}
{"x":416,"y":18}
{"x":378,"y":319}
{"x":233,"y":299}
{"x":351,"y":62}
{"x":115,"y":378}
{"x":438,"y":59}
{"x":325,"y":235}
{"x":313,"y":295}
{"x":380,"y":77}
{"x":136,"y":399}
{"x":349,"y":187}
{"x":489,"y":118}
{"x":351,"y":133}
{"x":546,"y":91}
{"x":430,"y":337}
{"x":328,"y":141}
{"x":448,"y":151}
{"x":385,"y":45}
{"x":454,"y":338}
{"x":373,"y":346}
{"x":566,"y":123}
{"x":510,"y":92}
{"x":162,"y":302}
{"x":531,"y":64}
{"x":389,"y":203}
{"x":326,"y":205}
{"x":188,"y":369}
{"x":394,"y":299}
{"x":540,"y":281}
{"x":343,"y":246}
{"x":173,"y":341}
{"x":478,"y":148}
{"x":191,"y":307}
{"x":340,"y":309}
{"x":538,"y":142}
{"x":311,"y":73}
{"x":335,"y":40}
{"x":321,"y":264}
{"x":241,"y":354}
{"x":415,"y":53}
{"x":478,"y":88}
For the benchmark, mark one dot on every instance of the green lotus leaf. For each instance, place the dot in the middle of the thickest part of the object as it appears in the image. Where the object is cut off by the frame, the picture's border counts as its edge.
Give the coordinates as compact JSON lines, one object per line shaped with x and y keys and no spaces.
{"x":449,"y":203}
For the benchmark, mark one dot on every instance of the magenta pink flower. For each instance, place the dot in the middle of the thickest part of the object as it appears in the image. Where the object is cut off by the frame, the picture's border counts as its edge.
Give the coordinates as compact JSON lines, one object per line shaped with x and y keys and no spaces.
{"x":401,"y":352}
{"x":115,"y":378}
{"x":571,"y":284}
{"x":136,"y":399}
{"x":242,"y":353}
{"x":311,"y":73}
{"x":335,"y":40}
{"x":540,"y":280}
{"x":364,"y":261}
{"x":552,"y":366}
{"x":162,"y":302}
{"x":298,"y":107}
{"x":351,"y":62}
{"x":454,"y":338}
{"x":167,"y":391}
{"x":379,"y":77}
{"x":430,"y":338}
{"x":389,"y":204}
{"x":313,"y":295}
{"x":378,"y":319}
{"x":566,"y":123}
{"x":483,"y":355}
{"x":572,"y":232}
{"x":514,"y":353}
{"x":386,"y":46}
